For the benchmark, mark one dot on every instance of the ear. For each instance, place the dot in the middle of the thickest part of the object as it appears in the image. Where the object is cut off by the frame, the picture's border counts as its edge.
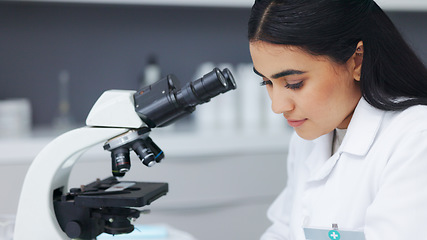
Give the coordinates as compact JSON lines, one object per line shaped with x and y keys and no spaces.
{"x":357,"y":58}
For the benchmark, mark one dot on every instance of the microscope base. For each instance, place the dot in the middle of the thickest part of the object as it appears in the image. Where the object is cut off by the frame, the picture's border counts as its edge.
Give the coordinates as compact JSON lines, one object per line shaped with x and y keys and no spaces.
{"x":104,"y":206}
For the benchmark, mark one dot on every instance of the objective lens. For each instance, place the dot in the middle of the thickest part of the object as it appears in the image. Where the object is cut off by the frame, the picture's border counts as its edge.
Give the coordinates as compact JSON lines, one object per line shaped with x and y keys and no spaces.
{"x":120,"y":161}
{"x":158,"y":153}
{"x":144,"y":153}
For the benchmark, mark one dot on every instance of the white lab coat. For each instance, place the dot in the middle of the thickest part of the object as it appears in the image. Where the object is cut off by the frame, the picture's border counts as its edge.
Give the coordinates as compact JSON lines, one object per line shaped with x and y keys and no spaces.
{"x":376,"y":182}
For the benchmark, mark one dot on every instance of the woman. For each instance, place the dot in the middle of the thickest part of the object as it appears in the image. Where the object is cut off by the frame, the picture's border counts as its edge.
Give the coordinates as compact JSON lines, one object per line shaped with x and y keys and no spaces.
{"x":355,"y":93}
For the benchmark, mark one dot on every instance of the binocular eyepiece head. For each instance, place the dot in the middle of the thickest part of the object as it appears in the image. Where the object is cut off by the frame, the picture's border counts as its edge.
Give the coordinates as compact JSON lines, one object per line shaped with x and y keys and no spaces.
{"x":165,"y":101}
{"x":158,"y":105}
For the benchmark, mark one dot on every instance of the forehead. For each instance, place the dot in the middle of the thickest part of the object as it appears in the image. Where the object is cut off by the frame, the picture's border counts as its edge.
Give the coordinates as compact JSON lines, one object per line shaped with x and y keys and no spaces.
{"x":276,"y":50}
{"x":271,"y":47}
{"x":269,"y":58}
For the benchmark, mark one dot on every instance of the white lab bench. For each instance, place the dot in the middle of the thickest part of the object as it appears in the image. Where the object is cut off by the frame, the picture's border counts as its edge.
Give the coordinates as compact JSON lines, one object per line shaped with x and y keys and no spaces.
{"x":220,"y":184}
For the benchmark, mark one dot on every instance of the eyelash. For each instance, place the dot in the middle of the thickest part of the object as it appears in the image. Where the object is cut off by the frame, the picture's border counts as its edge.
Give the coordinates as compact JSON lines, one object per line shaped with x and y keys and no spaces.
{"x":264,"y":83}
{"x":289,"y":86}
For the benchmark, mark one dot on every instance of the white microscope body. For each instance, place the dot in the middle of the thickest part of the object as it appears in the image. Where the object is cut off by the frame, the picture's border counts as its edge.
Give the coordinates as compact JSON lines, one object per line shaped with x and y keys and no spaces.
{"x":51,"y":168}
{"x":120,"y":119}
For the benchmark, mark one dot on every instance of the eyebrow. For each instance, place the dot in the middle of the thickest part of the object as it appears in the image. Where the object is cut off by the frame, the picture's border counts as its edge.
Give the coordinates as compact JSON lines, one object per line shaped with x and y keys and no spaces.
{"x":282,"y":73}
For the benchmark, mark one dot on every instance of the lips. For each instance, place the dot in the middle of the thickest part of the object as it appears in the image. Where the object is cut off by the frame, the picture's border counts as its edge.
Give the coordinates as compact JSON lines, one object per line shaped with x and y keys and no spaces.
{"x":296,"y":123}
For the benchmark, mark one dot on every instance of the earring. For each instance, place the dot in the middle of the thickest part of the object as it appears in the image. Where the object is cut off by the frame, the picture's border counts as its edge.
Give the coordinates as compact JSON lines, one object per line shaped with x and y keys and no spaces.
{"x":358,"y":53}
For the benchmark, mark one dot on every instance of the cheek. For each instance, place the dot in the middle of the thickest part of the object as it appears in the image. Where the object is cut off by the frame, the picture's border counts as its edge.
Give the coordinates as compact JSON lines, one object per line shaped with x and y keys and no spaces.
{"x":316,"y":97}
{"x":318,"y":100}
{"x":328,"y":88}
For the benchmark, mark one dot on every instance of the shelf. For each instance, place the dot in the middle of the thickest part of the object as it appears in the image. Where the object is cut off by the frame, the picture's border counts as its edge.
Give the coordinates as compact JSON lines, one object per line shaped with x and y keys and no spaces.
{"x":188,"y":146}
{"x":388,"y":5}
{"x":193,"y":3}
{"x":398,"y":5}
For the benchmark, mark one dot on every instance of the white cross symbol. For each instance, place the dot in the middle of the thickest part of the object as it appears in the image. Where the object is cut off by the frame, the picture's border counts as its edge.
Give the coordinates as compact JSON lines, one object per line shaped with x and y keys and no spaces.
{"x":334,"y":235}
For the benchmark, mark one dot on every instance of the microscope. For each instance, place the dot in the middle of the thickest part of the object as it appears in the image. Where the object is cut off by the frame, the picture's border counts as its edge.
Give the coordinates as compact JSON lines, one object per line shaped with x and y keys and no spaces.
{"x":122,"y":120}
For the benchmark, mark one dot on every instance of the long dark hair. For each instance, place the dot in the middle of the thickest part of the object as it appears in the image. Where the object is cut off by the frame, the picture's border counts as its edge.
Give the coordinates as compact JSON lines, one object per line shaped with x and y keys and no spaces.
{"x":392,"y":77}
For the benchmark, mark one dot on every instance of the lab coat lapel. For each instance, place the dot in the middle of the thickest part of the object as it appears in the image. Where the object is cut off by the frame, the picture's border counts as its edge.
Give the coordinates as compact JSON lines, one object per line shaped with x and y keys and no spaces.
{"x":363,"y":129}
{"x":320,"y":163}
{"x":360,"y":135}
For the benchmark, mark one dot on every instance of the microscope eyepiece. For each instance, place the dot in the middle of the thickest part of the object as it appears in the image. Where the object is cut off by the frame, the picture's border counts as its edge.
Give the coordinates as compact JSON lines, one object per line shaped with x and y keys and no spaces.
{"x":231,"y":83}
{"x":205,"y":88}
{"x":165,"y":101}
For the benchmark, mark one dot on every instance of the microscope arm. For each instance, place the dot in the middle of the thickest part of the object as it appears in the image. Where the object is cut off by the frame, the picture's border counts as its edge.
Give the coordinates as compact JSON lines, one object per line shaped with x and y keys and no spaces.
{"x":36,"y":217}
{"x":113,"y":114}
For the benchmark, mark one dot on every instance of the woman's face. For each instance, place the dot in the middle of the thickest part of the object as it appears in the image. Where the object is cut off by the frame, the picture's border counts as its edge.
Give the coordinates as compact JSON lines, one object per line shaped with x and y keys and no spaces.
{"x":314,"y":94}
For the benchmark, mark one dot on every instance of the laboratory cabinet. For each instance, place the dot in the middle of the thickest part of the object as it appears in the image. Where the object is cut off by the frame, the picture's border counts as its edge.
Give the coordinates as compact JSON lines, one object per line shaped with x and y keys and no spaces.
{"x":220,"y":186}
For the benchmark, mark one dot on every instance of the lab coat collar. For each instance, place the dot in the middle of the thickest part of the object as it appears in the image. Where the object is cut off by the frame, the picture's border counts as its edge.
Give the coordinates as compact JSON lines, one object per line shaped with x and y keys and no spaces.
{"x":320,"y":153}
{"x":320,"y":163}
{"x":363,"y":128}
{"x":360,"y":135}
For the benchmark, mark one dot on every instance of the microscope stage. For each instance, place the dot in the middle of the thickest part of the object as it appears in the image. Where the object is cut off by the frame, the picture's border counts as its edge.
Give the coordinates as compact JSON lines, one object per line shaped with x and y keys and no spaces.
{"x":112,"y":193}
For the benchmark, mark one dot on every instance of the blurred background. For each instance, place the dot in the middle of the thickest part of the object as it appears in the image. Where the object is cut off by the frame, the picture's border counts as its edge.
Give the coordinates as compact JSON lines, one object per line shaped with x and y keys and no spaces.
{"x":225,"y":163}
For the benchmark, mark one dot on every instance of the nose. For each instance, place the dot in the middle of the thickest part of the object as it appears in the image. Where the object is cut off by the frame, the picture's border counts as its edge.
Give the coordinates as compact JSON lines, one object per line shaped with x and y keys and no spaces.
{"x":281,"y":102}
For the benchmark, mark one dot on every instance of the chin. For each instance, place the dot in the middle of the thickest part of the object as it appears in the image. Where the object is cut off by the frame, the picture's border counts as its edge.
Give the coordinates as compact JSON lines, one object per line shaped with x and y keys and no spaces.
{"x":308,"y":135}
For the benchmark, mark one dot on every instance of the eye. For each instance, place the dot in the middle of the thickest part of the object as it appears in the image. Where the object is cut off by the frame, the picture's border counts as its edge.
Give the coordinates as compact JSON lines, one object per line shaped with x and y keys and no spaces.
{"x":295,"y":85}
{"x":264,"y":83}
